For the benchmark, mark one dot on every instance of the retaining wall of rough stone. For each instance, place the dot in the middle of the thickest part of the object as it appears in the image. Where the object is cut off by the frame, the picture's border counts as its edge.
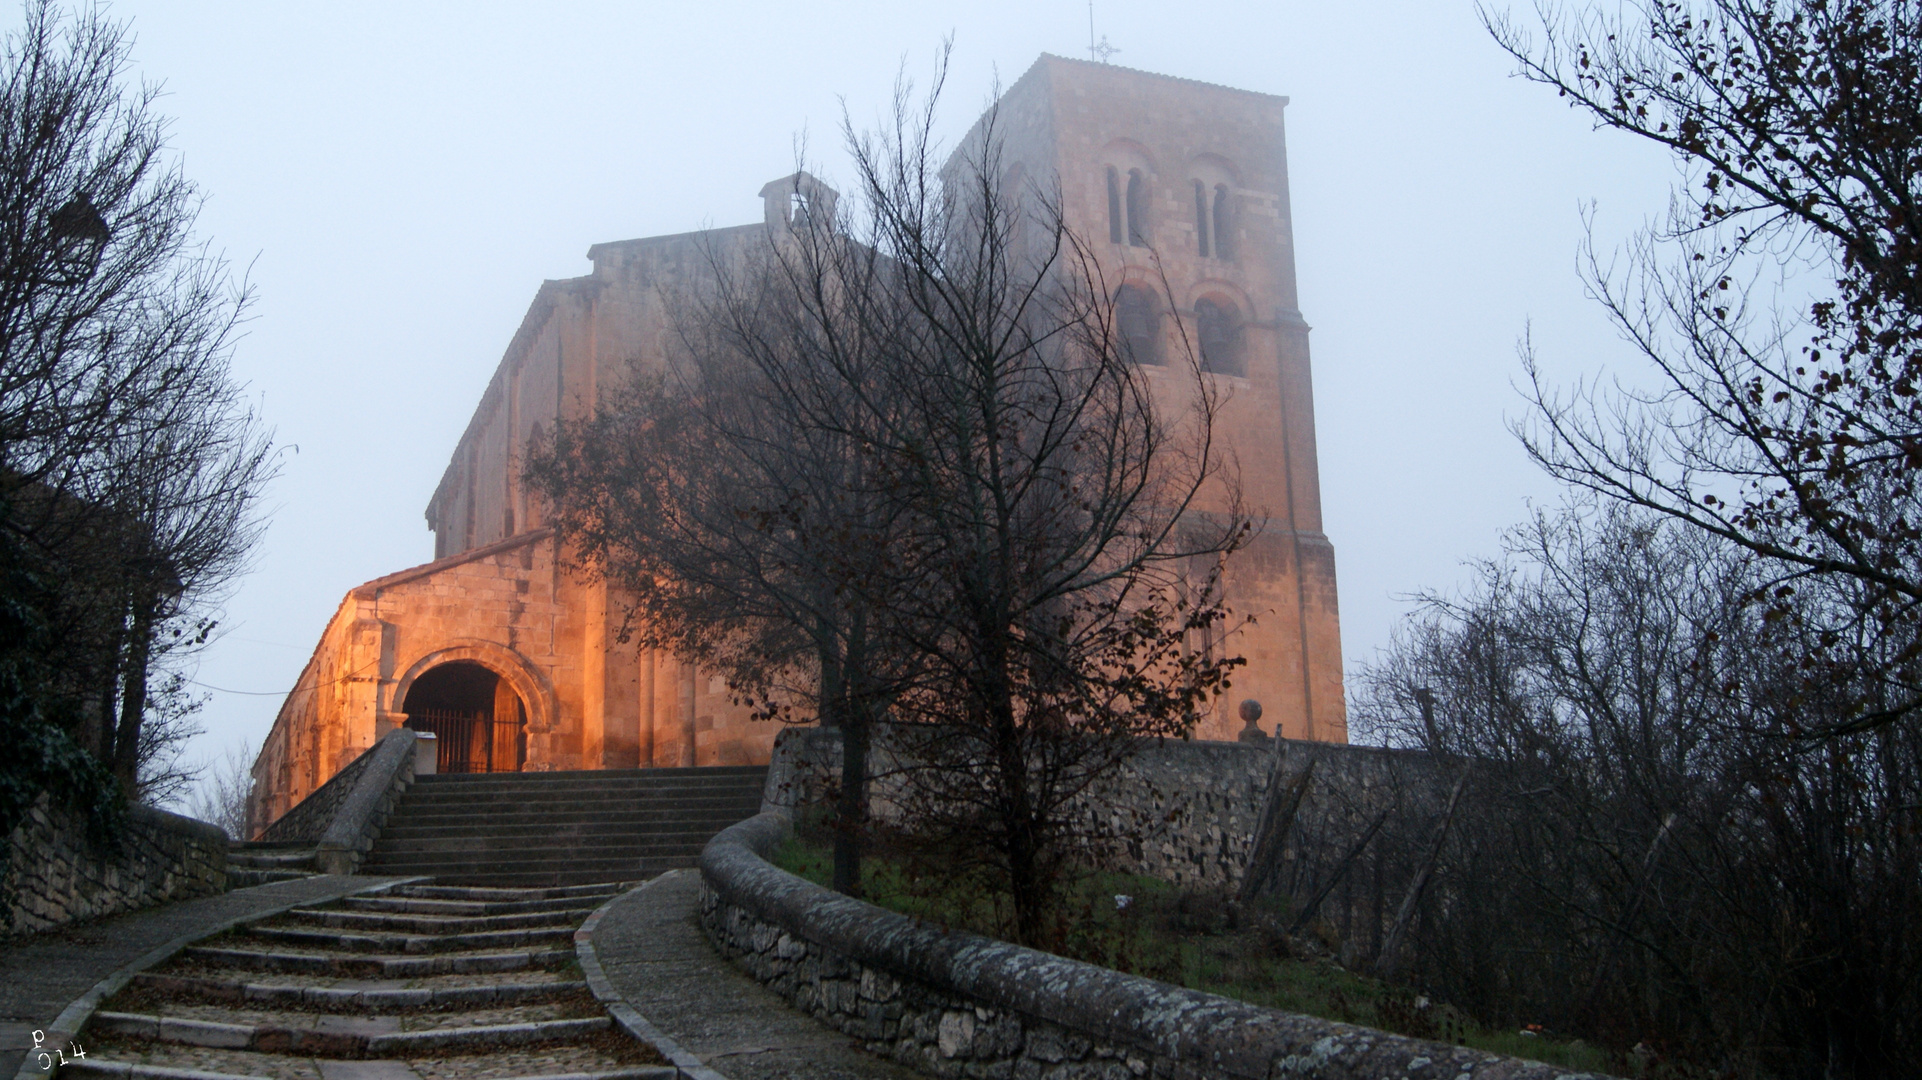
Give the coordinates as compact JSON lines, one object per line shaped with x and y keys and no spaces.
{"x":959,"y":1005}
{"x":56,"y":875}
{"x":1192,"y":807}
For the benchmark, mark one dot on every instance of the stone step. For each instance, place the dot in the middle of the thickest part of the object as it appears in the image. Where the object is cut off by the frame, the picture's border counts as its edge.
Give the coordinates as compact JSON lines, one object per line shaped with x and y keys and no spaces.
{"x":571,"y":776}
{"x":461,"y":866}
{"x":624,"y":843}
{"x":351,"y":996}
{"x":601,"y":793}
{"x":376,"y":966}
{"x":498,"y":895}
{"x":94,"y":1068}
{"x":486,"y":1037}
{"x":341,"y":1036}
{"x":411,"y":944}
{"x":273,"y":859}
{"x":498,"y":877}
{"x":577,"y":809}
{"x":425,"y":906}
{"x":598,"y":795}
{"x":517,"y":802}
{"x":241,"y":877}
{"x":580,"y":871}
{"x":562,"y":820}
{"x":335,"y":919}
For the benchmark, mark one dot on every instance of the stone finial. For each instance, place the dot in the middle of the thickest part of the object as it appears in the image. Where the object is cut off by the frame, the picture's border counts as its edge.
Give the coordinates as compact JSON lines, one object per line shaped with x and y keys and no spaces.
{"x":1250,"y":713}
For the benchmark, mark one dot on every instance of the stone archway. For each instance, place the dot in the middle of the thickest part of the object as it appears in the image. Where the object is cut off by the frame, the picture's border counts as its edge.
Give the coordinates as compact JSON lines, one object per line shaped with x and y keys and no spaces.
{"x":479,"y":723}
{"x":492,"y":708}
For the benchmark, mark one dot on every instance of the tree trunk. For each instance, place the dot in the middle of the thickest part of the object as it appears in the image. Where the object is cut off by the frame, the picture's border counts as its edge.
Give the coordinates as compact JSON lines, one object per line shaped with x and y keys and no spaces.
{"x":1277,"y":820}
{"x":1385,"y":963}
{"x":133,"y":694}
{"x":852,"y":811}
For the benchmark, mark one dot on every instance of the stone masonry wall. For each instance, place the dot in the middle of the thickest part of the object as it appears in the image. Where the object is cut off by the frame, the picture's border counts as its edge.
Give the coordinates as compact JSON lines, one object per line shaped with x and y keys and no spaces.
{"x":941,"y":1034}
{"x":1196,"y":804}
{"x":959,"y":1005}
{"x":55,"y":875}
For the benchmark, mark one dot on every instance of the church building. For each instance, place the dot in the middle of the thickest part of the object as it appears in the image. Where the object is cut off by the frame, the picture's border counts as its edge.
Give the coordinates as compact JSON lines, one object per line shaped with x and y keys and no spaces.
{"x":515,"y":662}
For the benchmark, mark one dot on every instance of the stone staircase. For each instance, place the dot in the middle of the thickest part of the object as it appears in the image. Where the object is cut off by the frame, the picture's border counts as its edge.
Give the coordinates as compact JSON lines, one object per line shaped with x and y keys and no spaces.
{"x":561,"y":828}
{"x":259,"y":862}
{"x":416,"y":983}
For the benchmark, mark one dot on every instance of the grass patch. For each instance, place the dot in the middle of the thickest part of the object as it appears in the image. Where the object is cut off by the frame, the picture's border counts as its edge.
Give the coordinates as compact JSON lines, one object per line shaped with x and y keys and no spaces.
{"x":1145,"y":926}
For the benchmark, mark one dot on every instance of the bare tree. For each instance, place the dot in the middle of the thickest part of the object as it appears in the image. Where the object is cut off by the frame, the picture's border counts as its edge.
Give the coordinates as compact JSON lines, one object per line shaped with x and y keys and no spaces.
{"x":1789,"y":428}
{"x":223,"y":788}
{"x":129,"y":461}
{"x":733,"y":499}
{"x":1066,"y":520}
{"x":1641,"y":855}
{"x":906,"y":456}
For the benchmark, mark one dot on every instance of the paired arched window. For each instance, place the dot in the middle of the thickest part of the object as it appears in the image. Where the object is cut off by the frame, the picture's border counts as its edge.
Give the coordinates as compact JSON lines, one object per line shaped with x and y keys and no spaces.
{"x":1117,"y":224}
{"x":1214,"y":222}
{"x":1218,"y":330}
{"x":1137,"y":325}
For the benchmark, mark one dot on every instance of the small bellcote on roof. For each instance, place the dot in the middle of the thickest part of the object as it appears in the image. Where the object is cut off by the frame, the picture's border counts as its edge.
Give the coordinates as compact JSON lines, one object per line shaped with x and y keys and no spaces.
{"x":799,"y":198}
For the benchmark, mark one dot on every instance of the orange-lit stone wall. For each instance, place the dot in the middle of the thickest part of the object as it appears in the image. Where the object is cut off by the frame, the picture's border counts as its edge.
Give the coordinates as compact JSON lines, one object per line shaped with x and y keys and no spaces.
{"x":1070,"y":122}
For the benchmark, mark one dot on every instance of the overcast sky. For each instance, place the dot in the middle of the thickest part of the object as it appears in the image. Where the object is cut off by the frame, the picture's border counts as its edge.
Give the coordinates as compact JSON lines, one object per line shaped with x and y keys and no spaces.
{"x":397,"y":180}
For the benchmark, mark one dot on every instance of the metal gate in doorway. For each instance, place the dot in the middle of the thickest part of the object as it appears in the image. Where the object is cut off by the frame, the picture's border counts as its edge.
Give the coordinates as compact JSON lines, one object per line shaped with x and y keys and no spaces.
{"x":473,"y":742}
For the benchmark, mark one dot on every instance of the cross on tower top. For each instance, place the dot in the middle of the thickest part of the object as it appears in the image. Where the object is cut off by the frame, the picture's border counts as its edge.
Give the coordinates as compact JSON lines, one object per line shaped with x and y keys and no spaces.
{"x":1099,"y":51}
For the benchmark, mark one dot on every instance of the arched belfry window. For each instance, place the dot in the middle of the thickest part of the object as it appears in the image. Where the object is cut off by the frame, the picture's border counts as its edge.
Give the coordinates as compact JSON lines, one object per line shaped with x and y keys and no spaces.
{"x":1224,"y":223}
{"x":1201,"y":219}
{"x":1218,"y":328}
{"x":1137,"y":325}
{"x":1115,"y":221}
{"x":1137,"y":209}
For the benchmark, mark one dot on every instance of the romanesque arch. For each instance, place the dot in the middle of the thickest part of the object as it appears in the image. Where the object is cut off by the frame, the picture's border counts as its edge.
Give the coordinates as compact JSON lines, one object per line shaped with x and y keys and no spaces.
{"x":1219,"y":321}
{"x":514,"y":672}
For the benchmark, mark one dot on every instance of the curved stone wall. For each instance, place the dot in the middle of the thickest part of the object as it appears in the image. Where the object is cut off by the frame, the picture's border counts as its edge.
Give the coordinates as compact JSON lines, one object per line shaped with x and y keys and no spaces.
{"x":960,"y":1005}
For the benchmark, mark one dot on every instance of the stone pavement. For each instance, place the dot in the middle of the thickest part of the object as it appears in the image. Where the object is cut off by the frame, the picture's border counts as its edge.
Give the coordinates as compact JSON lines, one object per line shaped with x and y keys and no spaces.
{"x":42,"y":974}
{"x":651,"y":946}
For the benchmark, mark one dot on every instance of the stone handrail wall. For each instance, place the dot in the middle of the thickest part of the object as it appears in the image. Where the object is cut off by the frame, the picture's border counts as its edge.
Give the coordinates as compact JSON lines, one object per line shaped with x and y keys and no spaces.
{"x":55,"y":875}
{"x":344,"y":817}
{"x":307,"y":819}
{"x":956,"y":1004}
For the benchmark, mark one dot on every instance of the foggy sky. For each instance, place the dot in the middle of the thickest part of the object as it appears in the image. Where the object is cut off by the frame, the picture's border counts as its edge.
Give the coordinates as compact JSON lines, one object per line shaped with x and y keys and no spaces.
{"x":397,"y":183}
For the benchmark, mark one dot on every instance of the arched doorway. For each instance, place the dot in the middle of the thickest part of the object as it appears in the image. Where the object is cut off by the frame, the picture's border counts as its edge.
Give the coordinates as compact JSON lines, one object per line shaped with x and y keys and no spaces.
{"x":479,"y":723}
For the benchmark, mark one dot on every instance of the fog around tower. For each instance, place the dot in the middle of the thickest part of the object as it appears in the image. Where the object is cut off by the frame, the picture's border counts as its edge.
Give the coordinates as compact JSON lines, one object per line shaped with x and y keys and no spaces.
{"x":400,"y":181}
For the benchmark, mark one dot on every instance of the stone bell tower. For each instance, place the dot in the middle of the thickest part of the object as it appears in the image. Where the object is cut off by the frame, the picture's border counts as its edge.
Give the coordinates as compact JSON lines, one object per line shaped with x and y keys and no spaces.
{"x":1186,"y":183}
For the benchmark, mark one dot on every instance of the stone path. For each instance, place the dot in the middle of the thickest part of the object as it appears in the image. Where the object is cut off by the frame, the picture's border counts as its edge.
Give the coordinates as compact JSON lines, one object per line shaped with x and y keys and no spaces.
{"x":43,"y":974}
{"x":409,"y":982}
{"x":651,"y":946}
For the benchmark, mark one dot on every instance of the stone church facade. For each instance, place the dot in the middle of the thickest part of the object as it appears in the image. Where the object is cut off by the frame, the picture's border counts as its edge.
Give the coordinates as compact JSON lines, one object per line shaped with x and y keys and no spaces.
{"x":516,"y":663}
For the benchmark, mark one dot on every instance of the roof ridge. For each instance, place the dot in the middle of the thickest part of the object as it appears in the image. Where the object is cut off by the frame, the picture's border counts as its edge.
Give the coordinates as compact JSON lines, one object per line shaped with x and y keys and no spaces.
{"x":1160,"y":75}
